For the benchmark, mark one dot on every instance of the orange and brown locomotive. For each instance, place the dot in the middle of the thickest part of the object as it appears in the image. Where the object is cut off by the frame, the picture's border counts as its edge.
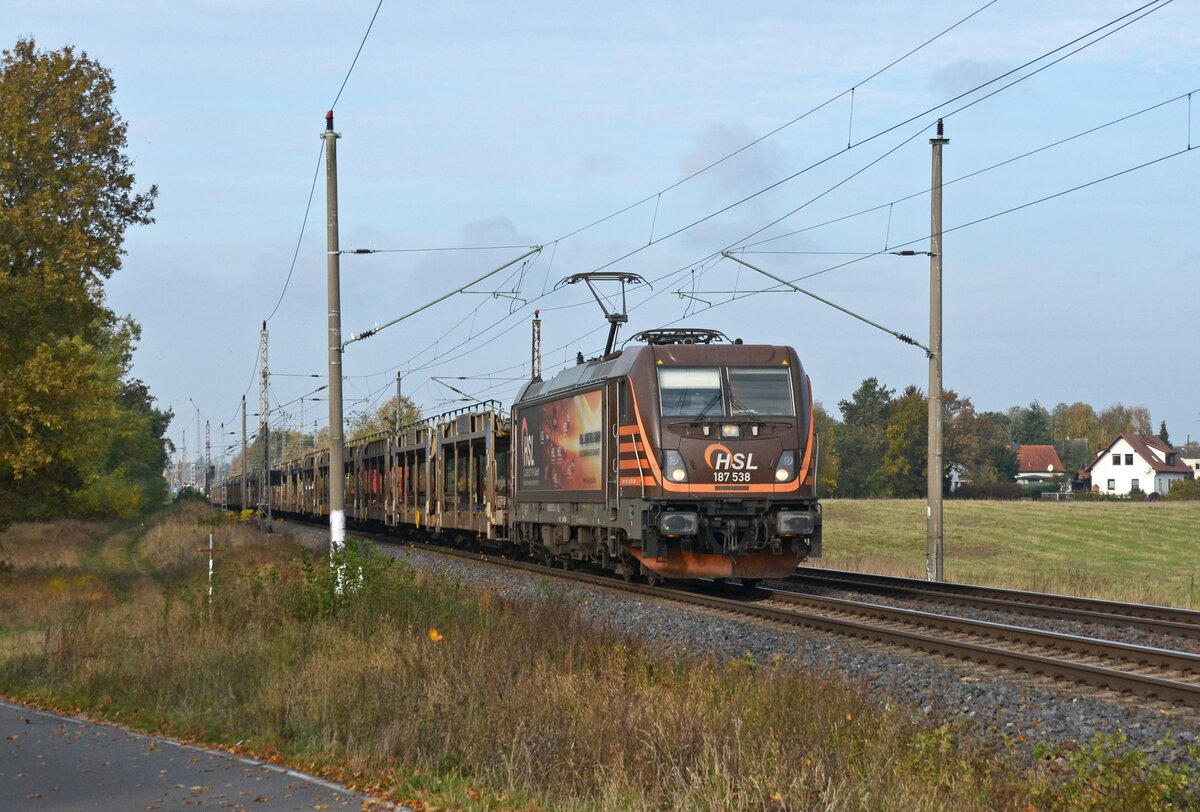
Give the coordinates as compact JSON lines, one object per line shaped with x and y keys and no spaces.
{"x":681,"y":455}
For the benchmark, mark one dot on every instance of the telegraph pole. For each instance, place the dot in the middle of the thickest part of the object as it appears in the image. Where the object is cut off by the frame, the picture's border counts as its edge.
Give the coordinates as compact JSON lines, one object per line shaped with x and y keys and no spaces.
{"x":264,"y":423}
{"x":224,"y":471}
{"x":397,"y":401}
{"x":207,"y":456}
{"x":934,"y":538}
{"x":535,"y":357}
{"x":245,"y":485}
{"x":337,"y":480}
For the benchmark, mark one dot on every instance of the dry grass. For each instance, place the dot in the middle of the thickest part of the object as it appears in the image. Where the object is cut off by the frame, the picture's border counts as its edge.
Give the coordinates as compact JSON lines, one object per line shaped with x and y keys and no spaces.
{"x":45,"y":547}
{"x":424,"y":689}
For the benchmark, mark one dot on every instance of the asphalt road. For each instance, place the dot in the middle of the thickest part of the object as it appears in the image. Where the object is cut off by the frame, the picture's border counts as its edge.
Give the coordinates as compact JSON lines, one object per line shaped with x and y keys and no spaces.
{"x":57,"y":763}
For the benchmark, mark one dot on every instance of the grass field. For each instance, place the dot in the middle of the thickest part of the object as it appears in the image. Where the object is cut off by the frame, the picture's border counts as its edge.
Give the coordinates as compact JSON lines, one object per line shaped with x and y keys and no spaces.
{"x":424,"y":690}
{"x":1147,"y":552}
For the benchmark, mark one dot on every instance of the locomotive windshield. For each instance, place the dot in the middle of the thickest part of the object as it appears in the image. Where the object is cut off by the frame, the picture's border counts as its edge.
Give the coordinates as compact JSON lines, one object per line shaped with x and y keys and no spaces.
{"x":725,"y":392}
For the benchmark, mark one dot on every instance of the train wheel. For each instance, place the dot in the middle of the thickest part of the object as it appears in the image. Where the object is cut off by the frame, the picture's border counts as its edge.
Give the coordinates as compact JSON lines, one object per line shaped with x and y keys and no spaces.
{"x":626,"y":568}
{"x":652,"y":577}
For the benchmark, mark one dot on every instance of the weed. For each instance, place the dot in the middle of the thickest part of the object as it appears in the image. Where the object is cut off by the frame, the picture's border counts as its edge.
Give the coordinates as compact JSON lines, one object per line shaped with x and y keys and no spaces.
{"x":423,"y":688}
{"x":1106,"y":774}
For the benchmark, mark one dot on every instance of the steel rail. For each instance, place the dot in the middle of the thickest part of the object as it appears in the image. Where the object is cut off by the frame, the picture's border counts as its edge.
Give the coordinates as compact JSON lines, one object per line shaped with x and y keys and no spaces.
{"x":1100,"y":676}
{"x":1076,"y":644}
{"x":1147,"y":617}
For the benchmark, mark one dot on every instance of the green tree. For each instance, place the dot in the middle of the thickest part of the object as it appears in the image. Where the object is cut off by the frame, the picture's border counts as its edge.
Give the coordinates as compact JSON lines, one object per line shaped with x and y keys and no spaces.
{"x":1162,"y":432}
{"x":828,"y":462}
{"x":905,"y":461}
{"x":384,"y":418}
{"x":68,"y":419}
{"x":1032,"y":426}
{"x":862,"y":439}
{"x":1003,"y":460}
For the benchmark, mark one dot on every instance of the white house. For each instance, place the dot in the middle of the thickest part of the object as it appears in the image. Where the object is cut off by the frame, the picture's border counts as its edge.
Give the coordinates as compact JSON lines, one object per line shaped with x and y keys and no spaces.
{"x":1136,"y":461}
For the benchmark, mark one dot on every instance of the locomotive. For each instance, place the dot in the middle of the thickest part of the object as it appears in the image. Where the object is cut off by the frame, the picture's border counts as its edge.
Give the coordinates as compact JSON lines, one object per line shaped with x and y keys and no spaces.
{"x":683,"y":456}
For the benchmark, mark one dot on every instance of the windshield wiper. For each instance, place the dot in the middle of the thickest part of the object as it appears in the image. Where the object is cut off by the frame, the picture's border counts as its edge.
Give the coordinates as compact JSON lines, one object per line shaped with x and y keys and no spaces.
{"x":715,"y":400}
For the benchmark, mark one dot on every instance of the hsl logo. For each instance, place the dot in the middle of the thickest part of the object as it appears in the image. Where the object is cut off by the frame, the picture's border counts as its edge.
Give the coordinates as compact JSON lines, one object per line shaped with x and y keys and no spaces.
{"x":720,"y":458}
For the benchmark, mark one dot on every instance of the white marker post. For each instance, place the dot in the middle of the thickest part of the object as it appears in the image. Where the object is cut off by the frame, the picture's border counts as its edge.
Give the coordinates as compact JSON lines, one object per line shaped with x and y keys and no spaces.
{"x":211,"y":553}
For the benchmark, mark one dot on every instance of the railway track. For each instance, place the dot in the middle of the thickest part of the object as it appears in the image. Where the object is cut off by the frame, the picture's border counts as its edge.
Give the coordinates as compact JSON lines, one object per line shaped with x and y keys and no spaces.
{"x":1169,"y":675}
{"x":1166,"y":621}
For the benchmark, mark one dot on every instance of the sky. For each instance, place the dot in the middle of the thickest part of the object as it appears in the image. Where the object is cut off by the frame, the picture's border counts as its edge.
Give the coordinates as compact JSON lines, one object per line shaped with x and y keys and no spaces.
{"x":597,"y":131}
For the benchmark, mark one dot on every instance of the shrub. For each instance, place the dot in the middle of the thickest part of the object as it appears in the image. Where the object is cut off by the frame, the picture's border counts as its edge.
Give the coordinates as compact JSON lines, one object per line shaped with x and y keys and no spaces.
{"x":1036,"y":489}
{"x":1184,"y":490}
{"x":996,"y":490}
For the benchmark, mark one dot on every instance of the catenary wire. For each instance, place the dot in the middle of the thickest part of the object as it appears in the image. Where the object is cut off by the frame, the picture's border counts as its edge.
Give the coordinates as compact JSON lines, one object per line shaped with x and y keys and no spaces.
{"x":442,"y":358}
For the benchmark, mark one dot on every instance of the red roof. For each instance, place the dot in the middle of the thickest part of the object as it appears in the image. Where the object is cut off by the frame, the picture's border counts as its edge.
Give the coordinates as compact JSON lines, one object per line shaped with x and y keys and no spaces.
{"x":1038,"y":459}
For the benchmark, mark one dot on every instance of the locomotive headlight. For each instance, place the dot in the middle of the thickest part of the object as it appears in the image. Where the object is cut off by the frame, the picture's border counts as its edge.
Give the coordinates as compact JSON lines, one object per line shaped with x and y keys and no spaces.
{"x":678,"y":523}
{"x":796,"y":523}
{"x":673,"y":465}
{"x":731,"y":430}
{"x":785,"y":469}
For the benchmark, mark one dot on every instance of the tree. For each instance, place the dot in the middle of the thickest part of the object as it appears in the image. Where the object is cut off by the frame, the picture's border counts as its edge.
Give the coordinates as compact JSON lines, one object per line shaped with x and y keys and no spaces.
{"x":1162,"y":432}
{"x":1121,"y":419}
{"x":1032,"y":426}
{"x":862,"y":438}
{"x":68,"y":418}
{"x":1077,"y":432}
{"x":828,"y":461}
{"x":905,"y":462}
{"x":965,"y":435}
{"x":384,"y":418}
{"x":1003,"y":460}
{"x":1075,"y":422}
{"x":993,"y":459}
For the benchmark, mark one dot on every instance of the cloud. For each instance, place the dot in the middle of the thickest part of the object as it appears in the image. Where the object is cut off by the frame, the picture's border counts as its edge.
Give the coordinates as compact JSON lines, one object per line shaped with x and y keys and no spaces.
{"x":748,"y":171}
{"x":965,"y":75}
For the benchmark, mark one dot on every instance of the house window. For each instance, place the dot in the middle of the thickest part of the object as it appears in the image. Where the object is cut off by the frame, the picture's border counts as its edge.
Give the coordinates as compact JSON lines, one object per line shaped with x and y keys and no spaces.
{"x":1112,"y":484}
{"x":1170,"y":459}
{"x":1133,"y":485}
{"x":1116,"y":459}
{"x":1129,"y":459}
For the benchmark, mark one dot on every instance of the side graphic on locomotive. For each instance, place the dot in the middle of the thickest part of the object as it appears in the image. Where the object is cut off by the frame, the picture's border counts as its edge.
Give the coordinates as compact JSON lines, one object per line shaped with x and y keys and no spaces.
{"x":681,"y":455}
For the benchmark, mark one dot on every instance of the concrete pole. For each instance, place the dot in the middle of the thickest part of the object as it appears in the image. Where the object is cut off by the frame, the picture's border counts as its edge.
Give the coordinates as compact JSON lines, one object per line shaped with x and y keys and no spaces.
{"x":337,"y":477}
{"x":264,"y":423}
{"x":398,"y":401}
{"x":934,"y":539}
{"x":245,"y":485}
{"x":535,"y":358}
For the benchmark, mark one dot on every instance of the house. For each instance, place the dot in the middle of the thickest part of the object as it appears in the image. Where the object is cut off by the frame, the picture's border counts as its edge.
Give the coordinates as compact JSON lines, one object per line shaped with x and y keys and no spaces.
{"x":1140,"y":462}
{"x":1190,"y":457}
{"x":1038,"y":463}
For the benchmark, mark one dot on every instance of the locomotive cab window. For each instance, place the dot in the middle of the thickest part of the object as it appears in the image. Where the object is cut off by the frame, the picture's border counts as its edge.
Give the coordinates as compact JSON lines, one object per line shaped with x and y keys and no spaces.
{"x":756,"y":391}
{"x":725,"y":392}
{"x":690,"y":391}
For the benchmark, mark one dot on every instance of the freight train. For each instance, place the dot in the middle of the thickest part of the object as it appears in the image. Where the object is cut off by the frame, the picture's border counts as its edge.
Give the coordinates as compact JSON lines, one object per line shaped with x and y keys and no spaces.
{"x":681,"y":455}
